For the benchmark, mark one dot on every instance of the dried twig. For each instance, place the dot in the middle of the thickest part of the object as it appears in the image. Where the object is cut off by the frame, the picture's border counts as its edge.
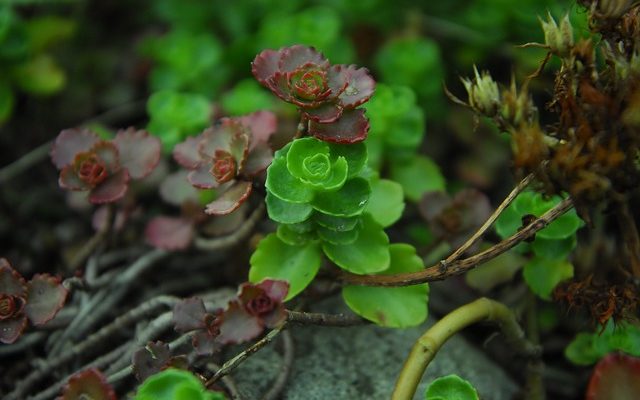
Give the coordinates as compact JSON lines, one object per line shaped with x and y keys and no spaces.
{"x":443,"y":270}
{"x":341,"y":320}
{"x":236,"y":237}
{"x":288,"y":354}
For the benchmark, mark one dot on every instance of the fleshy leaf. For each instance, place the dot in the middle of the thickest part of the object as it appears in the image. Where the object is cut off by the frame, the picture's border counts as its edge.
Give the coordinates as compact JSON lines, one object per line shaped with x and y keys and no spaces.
{"x":386,"y":202}
{"x":367,"y":255}
{"x":284,"y":185}
{"x":258,"y":160}
{"x":230,"y":200}
{"x":112,"y":189}
{"x":175,"y":189}
{"x":262,"y":125}
{"x":543,"y":275}
{"x":556,"y":249}
{"x":588,"y":348}
{"x":337,"y":237}
{"x":71,"y":142}
{"x":292,"y":58}
{"x":11,"y":329}
{"x":175,"y":384}
{"x":351,"y":127}
{"x":323,"y":114}
{"x":617,"y":376}
{"x":46,"y":296}
{"x":202,"y":178}
{"x":418,"y":175}
{"x":186,"y":153}
{"x":359,"y":89}
{"x":150,"y":359}
{"x":265,"y":65}
{"x":274,"y":259}
{"x":285,"y":212}
{"x":189,"y":315}
{"x":238,"y":326}
{"x":138,"y":151}
{"x":355,"y":154}
{"x":451,"y":387}
{"x":348,"y":201}
{"x":396,"y":307}
{"x":293,"y":237}
{"x":169,"y":233}
{"x":11,"y":282}
{"x":339,"y":224}
{"x":69,"y":179}
{"x":88,"y":384}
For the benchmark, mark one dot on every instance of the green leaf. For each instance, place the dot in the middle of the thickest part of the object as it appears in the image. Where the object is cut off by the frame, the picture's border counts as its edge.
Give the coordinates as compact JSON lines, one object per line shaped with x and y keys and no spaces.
{"x":581,"y":350}
{"x":308,"y":159}
{"x":533,"y":203}
{"x":174,"y":116}
{"x":508,"y":222}
{"x":275,"y":259}
{"x":395,"y":307}
{"x":355,"y":154}
{"x":348,"y":201}
{"x":175,"y":384}
{"x":588,"y":348}
{"x":339,"y":224}
{"x":367,"y":255}
{"x":285,"y":212}
{"x":418,"y":175}
{"x":285,"y":186}
{"x":494,"y":272}
{"x":386,"y":202}
{"x":246,"y":97}
{"x":40,"y":75}
{"x":451,"y":387}
{"x":293,"y":236}
{"x":337,"y":237}
{"x":48,"y":30}
{"x":553,"y":249}
{"x":543,"y":275}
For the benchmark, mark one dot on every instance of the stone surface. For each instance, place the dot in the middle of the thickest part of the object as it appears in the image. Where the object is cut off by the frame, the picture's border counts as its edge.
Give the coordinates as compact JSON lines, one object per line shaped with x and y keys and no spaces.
{"x":363,"y":362}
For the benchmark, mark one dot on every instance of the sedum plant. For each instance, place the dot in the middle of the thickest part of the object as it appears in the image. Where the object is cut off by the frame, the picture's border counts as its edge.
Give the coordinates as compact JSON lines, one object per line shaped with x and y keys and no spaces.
{"x":329,"y":204}
{"x":175,"y":384}
{"x":88,"y":384}
{"x":37,"y":301}
{"x":104,"y":167}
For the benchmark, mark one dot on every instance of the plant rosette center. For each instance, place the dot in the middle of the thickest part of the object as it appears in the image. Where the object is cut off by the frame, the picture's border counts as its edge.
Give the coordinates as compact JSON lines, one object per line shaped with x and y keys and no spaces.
{"x":10,"y":306}
{"x":223,"y":167}
{"x":90,"y":168}
{"x":312,"y":161}
{"x":260,"y":306}
{"x":309,"y":84}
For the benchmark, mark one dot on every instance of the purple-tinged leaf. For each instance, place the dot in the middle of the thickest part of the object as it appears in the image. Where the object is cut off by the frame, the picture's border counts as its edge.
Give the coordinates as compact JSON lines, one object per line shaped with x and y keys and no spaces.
{"x":205,"y":343}
{"x":261,"y":124}
{"x":258,"y":160}
{"x":238,"y":325}
{"x":186,"y":153}
{"x":265,"y":65}
{"x":230,"y":200}
{"x":11,"y":329}
{"x":177,"y":190}
{"x":169,"y":233}
{"x":616,"y":376}
{"x":155,"y":357}
{"x":69,"y":143}
{"x":279,"y":85}
{"x":188,"y":315}
{"x":294,"y":57}
{"x":338,"y":79}
{"x":351,"y":127}
{"x":219,"y":137}
{"x":45,"y":297}
{"x":112,"y":189}
{"x":276,"y":317}
{"x":88,"y":384}
{"x":69,"y":179}
{"x":360,"y":87}
{"x":202,"y":178}
{"x":139,"y":152}
{"x":277,"y":290}
{"x":325,"y":113}
{"x":11,"y":282}
{"x":107,"y":153}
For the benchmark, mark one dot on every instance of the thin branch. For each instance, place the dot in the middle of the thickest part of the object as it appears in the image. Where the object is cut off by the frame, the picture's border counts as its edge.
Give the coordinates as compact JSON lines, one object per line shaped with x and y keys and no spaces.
{"x":340,"y":320}
{"x":232,"y":364}
{"x":236,"y":237}
{"x":229,"y":383}
{"x":426,"y":347}
{"x":443,"y":270}
{"x":288,"y":353}
{"x":487,"y":224}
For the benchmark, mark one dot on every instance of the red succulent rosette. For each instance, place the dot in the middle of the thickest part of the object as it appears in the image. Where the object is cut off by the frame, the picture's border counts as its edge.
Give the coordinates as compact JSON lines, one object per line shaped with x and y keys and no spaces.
{"x":38,"y":301}
{"x":227,"y":157}
{"x":103,"y":167}
{"x":326,"y":94}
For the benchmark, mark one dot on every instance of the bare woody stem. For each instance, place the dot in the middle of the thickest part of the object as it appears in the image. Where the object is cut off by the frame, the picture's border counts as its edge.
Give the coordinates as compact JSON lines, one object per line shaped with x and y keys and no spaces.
{"x":426,"y":347}
{"x":487,"y":224}
{"x":443,"y":270}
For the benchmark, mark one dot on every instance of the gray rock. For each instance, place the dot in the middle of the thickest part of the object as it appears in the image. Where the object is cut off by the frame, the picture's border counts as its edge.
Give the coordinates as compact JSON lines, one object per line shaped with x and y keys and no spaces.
{"x":363,"y":362}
